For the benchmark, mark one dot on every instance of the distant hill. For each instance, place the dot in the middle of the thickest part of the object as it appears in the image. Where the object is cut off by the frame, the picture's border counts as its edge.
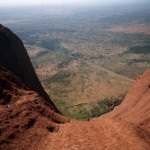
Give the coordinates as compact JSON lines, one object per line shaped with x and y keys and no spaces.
{"x":78,"y":86}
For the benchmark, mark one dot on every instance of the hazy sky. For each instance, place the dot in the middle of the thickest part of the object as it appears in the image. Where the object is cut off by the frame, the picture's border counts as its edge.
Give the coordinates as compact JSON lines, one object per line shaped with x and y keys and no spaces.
{"x":29,"y":2}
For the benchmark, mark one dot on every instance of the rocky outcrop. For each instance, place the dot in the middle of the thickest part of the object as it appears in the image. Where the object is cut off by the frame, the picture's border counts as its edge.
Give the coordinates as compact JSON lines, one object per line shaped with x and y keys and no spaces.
{"x":25,"y":117}
{"x":28,"y":122}
{"x":135,"y":108}
{"x":26,"y":111}
{"x":126,"y":127}
{"x":13,"y":56}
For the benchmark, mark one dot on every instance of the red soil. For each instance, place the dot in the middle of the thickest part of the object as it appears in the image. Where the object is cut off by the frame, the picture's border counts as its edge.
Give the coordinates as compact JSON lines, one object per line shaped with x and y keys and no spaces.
{"x":25,"y":117}
{"x":27,"y":122}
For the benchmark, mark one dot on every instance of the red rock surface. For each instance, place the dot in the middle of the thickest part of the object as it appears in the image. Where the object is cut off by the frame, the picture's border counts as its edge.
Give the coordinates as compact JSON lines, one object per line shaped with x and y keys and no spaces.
{"x":27,"y":122}
{"x":14,"y":57}
{"x":97,"y":135}
{"x":126,"y":127}
{"x":25,"y":117}
{"x":135,"y":108}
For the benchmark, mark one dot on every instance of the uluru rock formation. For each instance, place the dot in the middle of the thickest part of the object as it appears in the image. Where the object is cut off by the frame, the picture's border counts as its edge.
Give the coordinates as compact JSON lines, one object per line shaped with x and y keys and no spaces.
{"x":126,"y":127}
{"x":14,"y":57}
{"x":28,"y":122}
{"x":135,"y":108}
{"x":25,"y":117}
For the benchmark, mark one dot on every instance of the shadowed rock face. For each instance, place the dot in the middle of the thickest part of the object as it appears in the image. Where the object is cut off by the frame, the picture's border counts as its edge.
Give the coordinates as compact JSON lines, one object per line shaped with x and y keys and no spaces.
{"x":27,"y":114}
{"x":13,"y":56}
{"x":25,"y":117}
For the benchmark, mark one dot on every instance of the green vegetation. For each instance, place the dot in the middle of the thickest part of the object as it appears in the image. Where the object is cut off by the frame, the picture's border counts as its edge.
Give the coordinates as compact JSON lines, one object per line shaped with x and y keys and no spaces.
{"x":99,"y":109}
{"x":77,"y":43}
{"x":140,"y":49}
{"x":81,"y":113}
{"x":77,"y":55}
{"x":140,"y":60}
{"x":64,"y":63}
{"x":104,"y":106}
{"x":58,"y":78}
{"x":84,"y":34}
{"x":86,"y":111}
{"x":51,"y":44}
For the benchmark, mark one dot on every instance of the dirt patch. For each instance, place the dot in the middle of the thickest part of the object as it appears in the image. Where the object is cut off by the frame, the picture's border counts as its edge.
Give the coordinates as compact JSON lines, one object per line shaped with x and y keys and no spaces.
{"x":140,"y":28}
{"x":33,"y":51}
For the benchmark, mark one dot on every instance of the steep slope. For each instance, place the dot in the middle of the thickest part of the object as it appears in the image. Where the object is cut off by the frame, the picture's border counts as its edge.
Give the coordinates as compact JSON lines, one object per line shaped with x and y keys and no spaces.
{"x":76,"y":84}
{"x":136,"y":105}
{"x":127,"y":127}
{"x":27,"y":122}
{"x":14,"y":57}
{"x":25,"y":117}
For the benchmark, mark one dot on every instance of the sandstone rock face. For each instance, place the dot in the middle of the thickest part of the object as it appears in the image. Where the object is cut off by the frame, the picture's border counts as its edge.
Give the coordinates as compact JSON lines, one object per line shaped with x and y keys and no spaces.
{"x":126,"y":127}
{"x":25,"y":117}
{"x":135,"y":108}
{"x":27,"y":122}
{"x":13,"y":56}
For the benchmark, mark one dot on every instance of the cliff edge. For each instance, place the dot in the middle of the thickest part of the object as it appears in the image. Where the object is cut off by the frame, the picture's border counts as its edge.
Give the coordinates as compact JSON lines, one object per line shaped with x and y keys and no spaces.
{"x":28,"y":122}
{"x":14,"y":57}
